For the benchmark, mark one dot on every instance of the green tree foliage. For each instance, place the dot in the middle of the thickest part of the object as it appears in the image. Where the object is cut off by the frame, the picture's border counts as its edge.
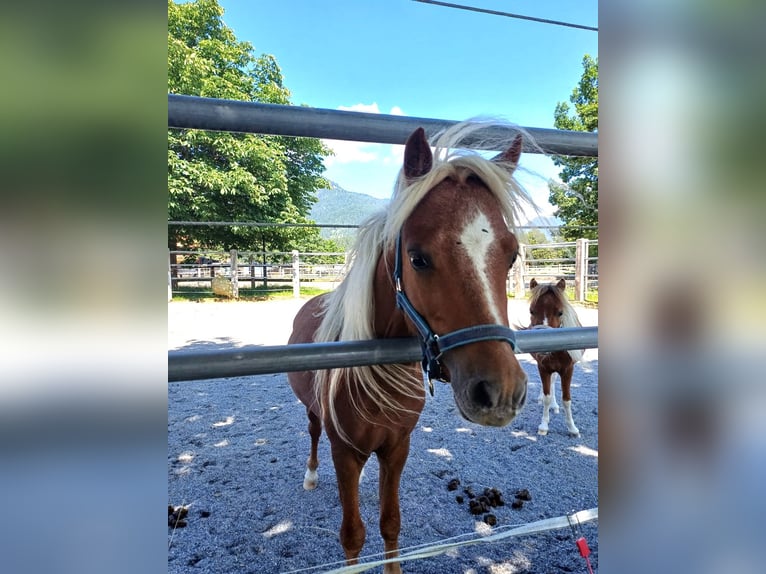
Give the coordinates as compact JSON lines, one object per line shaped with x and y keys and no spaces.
{"x":219,"y":176}
{"x":577,"y":198}
{"x":537,"y":237}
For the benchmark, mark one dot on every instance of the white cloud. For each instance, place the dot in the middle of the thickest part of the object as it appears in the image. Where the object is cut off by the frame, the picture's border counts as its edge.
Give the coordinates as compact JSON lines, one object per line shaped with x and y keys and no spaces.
{"x":369,"y":108}
{"x":372,"y":108}
{"x":350,"y":152}
{"x":364,"y":152}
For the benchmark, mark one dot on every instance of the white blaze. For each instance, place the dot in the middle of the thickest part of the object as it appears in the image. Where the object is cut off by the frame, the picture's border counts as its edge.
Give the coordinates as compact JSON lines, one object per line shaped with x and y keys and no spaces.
{"x":477,"y":238}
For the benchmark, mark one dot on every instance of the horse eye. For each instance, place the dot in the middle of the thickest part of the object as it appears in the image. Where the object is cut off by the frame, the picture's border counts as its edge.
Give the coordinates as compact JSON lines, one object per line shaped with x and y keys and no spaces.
{"x":419,"y":261}
{"x":561,"y":313}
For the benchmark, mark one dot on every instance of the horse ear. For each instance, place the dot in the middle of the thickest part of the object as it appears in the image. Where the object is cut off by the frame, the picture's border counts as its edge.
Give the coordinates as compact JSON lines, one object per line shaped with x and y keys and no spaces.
{"x":512,"y":154}
{"x":532,"y":283}
{"x":561,"y":284}
{"x":418,"y":159}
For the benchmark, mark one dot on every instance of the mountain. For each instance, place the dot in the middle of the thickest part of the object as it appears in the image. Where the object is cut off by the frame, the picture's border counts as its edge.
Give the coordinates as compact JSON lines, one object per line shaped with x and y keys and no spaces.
{"x":338,"y":205}
{"x":543,"y":221}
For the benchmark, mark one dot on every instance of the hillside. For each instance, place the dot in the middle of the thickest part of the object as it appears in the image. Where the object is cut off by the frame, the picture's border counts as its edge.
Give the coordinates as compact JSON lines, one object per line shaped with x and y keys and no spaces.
{"x":544,"y":221}
{"x":343,"y":207}
{"x":338,"y":205}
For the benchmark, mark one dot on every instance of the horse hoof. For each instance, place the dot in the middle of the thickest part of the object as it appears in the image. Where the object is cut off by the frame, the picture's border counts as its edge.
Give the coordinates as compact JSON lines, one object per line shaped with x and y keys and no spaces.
{"x":311,"y":480}
{"x":574,"y":434}
{"x":542,"y":431}
{"x":555,"y":408}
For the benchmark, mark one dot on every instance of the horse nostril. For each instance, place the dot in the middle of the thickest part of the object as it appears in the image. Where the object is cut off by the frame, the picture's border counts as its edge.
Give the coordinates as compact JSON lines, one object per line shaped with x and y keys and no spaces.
{"x":484,"y":394}
{"x":520,"y":396}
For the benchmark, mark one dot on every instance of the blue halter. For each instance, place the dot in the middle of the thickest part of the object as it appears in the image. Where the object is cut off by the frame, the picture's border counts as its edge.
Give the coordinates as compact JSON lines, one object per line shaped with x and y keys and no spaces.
{"x":434,"y":346}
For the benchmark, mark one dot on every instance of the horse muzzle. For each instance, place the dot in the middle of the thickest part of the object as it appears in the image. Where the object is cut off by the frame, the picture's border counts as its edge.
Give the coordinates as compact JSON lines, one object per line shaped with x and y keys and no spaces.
{"x":489,"y":403}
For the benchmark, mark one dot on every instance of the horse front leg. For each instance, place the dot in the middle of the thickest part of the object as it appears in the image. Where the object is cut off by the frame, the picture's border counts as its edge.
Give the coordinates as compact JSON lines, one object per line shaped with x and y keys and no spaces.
{"x":392,"y":460}
{"x":545,"y":381}
{"x":311,"y":477}
{"x":348,"y":465}
{"x":554,"y":404}
{"x":566,"y":400}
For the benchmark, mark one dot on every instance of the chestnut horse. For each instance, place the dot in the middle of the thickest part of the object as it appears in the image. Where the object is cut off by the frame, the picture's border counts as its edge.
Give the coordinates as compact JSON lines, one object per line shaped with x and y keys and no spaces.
{"x":433,"y":264}
{"x":550,"y":308}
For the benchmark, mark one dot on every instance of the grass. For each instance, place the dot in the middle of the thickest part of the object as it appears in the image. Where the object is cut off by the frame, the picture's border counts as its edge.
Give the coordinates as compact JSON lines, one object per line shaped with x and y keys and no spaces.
{"x":272,"y":294}
{"x":591,"y":297}
{"x":247,"y":294}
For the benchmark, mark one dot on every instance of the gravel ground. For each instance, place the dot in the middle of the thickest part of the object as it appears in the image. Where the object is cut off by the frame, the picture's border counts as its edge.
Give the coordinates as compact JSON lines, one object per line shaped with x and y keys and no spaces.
{"x":237,"y":449}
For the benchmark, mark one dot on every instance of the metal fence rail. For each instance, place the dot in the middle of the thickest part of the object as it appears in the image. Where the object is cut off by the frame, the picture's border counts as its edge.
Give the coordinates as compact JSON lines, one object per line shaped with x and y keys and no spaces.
{"x":246,"y":361}
{"x":194,"y":112}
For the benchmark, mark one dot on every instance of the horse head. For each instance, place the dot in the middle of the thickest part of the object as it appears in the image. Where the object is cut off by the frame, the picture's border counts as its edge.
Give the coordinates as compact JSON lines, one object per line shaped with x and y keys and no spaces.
{"x":548,"y":304}
{"x":455,"y":250}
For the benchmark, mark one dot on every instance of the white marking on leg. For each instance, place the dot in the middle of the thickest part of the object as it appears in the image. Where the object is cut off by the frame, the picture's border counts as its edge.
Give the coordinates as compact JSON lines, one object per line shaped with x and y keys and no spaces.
{"x":311,"y":479}
{"x":543,"y":428}
{"x":554,"y":404}
{"x":477,"y":238}
{"x":573,"y":430}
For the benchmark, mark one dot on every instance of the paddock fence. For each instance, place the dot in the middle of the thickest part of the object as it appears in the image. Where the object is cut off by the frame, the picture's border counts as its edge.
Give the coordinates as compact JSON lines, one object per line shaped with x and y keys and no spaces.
{"x":192,"y":112}
{"x":574,"y":261}
{"x":194,"y":273}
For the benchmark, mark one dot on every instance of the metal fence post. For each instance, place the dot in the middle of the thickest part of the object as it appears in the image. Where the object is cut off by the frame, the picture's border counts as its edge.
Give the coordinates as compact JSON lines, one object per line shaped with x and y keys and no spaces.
{"x":518,"y":273}
{"x":296,"y":275}
{"x":234,"y":274}
{"x":581,"y":268}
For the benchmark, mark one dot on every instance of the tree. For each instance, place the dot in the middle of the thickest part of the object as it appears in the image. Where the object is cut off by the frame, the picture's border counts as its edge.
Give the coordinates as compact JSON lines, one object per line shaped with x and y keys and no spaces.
{"x":577,"y":197}
{"x":537,"y":237}
{"x":219,"y":176}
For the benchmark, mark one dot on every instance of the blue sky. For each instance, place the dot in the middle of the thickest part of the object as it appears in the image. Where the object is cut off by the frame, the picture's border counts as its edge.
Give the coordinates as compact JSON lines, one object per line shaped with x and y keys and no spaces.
{"x":415,"y":59}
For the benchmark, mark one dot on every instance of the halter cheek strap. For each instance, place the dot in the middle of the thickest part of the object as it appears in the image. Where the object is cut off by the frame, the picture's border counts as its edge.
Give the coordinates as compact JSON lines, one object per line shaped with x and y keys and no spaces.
{"x":434,"y":346}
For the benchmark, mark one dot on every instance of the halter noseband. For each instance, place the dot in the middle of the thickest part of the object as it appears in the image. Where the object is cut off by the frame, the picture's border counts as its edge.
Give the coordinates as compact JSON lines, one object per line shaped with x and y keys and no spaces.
{"x":434,"y":346}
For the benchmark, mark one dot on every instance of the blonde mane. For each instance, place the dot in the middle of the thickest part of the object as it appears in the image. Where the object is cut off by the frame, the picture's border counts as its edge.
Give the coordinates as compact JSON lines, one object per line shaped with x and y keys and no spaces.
{"x":568,"y":318}
{"x":348,"y":312}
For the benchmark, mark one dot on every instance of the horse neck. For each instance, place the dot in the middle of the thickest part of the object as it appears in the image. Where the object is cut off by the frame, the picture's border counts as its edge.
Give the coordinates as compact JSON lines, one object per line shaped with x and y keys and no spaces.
{"x":389,"y":320}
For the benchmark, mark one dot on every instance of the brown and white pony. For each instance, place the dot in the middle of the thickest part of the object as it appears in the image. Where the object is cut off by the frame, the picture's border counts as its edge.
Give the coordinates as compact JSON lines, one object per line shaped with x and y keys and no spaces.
{"x":549,"y":308}
{"x":443,"y":247}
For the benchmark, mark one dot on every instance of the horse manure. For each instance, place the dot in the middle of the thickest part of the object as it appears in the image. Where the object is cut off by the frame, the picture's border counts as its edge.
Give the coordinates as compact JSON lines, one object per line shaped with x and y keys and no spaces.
{"x":523,"y":494}
{"x":488,"y":499}
{"x":516,"y":504}
{"x":475,"y":507}
{"x":204,"y":513}
{"x":494,"y":497}
{"x":453,"y":484}
{"x":176,"y":515}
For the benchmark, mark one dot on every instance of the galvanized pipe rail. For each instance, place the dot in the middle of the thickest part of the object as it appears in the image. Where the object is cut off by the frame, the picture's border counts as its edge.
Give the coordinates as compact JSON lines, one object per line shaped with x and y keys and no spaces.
{"x":255,"y":360}
{"x":194,"y":112}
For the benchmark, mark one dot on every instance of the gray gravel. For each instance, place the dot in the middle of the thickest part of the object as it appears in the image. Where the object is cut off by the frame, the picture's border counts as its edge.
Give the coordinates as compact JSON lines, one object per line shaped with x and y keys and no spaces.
{"x":237,"y":449}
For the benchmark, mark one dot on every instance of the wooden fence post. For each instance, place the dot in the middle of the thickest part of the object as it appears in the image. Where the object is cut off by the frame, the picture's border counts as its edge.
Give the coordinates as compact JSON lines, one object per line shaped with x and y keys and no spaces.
{"x":170,"y":275}
{"x":581,"y":268}
{"x":296,"y":275}
{"x":518,"y":273}
{"x":234,"y":274}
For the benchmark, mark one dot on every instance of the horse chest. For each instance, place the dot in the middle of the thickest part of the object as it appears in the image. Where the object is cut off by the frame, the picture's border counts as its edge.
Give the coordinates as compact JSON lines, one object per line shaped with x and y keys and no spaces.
{"x":555,"y":362}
